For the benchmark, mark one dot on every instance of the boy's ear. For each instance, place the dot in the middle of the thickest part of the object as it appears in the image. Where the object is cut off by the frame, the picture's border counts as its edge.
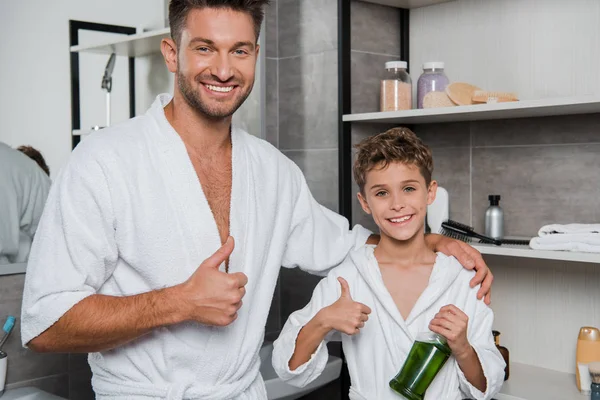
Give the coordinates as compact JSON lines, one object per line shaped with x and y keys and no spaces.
{"x":431,"y":192}
{"x":363,"y":203}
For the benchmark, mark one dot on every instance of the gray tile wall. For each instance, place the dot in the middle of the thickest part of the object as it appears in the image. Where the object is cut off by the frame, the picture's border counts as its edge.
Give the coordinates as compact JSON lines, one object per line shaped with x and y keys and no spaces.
{"x":545,"y":169}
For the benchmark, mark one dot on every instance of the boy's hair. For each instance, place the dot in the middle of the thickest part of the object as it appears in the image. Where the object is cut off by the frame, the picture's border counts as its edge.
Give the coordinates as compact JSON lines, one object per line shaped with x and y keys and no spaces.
{"x":395,"y":145}
{"x":179,"y":10}
{"x":36,"y":156}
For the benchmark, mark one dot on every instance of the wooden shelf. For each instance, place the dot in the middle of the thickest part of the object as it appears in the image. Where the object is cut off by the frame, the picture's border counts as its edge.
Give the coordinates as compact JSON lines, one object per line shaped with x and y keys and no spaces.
{"x":141,"y":44}
{"x":517,"y":109}
{"x":527,"y":382}
{"x":408,"y":3}
{"x":527,"y":252}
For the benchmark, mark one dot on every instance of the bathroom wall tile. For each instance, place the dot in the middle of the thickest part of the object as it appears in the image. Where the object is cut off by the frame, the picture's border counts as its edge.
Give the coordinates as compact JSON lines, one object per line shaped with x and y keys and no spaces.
{"x":451,"y":170}
{"x":538,"y":185}
{"x":272,"y":98}
{"x":366,"y":73}
{"x":296,"y":290}
{"x":24,"y":364}
{"x":274,"y":318}
{"x":306,"y":26}
{"x":375,"y":28}
{"x":270,"y":32}
{"x":55,"y":384}
{"x":531,"y":131}
{"x":320,"y":168}
{"x":308,"y":102}
{"x":454,"y":134}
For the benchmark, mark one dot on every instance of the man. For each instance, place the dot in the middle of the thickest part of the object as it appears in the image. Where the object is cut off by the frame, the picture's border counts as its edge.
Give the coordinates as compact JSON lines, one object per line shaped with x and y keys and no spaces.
{"x":137,"y":263}
{"x":24,"y":188}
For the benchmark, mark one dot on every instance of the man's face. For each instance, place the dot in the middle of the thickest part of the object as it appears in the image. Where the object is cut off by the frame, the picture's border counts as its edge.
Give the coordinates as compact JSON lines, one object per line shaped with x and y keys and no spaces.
{"x":216,"y":61}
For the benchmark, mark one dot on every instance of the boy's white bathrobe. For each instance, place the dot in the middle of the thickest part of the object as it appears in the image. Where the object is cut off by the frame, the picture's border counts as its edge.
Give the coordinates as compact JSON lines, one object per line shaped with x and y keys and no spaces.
{"x":128,"y":215}
{"x":376,"y":354}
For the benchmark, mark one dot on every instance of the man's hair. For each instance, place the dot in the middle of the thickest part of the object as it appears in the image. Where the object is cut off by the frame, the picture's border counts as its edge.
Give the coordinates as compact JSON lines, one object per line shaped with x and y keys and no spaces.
{"x":35,"y":156}
{"x":179,"y":10}
{"x":395,"y":145}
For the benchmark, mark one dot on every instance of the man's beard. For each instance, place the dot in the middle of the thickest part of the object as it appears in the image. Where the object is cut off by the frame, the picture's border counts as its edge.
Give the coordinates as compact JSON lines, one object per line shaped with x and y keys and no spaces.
{"x":193,"y":98}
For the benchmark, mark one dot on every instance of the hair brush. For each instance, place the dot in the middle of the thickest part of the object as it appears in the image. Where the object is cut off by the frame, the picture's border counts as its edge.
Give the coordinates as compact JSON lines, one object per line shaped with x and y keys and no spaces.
{"x":463,"y":232}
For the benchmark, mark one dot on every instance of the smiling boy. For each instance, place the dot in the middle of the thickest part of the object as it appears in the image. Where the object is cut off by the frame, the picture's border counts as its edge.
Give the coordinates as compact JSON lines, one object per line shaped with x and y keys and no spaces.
{"x":381,"y":297}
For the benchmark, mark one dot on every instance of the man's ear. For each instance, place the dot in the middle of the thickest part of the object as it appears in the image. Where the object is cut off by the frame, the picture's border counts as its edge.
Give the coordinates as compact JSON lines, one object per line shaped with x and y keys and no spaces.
{"x":431,"y":192}
{"x":363,"y":203}
{"x":168,"y":49}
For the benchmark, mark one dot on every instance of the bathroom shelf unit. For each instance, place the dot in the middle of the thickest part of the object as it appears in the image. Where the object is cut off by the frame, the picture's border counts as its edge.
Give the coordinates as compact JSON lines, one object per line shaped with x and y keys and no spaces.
{"x":478,"y":112}
{"x":140,"y":44}
{"x":527,"y":382}
{"x":408,"y":3}
{"x":526,"y":252}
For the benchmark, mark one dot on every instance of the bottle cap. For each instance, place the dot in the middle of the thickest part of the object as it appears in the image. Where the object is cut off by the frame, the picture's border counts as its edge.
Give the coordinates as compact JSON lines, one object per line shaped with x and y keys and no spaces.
{"x":589,"y":333}
{"x":433,"y":65}
{"x":494,"y":199}
{"x":396,"y":64}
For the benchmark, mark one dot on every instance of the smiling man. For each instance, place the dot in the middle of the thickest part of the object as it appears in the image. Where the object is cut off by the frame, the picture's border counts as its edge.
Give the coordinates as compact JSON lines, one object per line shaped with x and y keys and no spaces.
{"x":135,"y":260}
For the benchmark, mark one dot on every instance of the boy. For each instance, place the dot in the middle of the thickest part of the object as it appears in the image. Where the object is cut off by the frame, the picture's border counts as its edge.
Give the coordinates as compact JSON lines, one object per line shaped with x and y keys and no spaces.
{"x":380,"y":304}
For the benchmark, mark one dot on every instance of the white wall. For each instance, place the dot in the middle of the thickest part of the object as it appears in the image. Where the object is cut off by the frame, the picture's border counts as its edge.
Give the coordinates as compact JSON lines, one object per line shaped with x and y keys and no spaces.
{"x":35,"y":101}
{"x":537,"y":48}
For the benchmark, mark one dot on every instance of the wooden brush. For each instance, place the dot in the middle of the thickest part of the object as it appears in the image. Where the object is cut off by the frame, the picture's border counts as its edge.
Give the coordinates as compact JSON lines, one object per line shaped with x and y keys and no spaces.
{"x":461,"y":93}
{"x":484,"y":96}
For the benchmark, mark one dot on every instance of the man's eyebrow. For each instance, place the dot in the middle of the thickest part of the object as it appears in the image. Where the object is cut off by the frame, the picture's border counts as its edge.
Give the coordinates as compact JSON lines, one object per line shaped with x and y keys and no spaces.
{"x":203,"y":40}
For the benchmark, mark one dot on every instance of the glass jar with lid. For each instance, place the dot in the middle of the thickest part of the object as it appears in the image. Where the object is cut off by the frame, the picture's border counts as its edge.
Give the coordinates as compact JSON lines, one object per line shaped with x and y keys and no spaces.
{"x":433,"y":79}
{"x":396,"y":87}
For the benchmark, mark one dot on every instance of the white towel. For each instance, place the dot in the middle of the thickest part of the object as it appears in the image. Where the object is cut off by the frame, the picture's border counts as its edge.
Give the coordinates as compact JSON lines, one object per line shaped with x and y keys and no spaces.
{"x":554,"y":229}
{"x":584,"y":242}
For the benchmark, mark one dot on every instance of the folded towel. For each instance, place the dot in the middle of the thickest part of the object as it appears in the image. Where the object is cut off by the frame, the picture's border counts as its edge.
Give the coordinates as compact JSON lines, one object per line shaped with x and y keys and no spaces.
{"x":584,"y":242}
{"x":568,"y":229}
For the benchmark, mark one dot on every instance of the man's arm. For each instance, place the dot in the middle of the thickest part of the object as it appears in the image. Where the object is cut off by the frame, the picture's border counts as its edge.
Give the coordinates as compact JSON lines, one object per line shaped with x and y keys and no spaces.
{"x":469,"y":257}
{"x":100,"y":323}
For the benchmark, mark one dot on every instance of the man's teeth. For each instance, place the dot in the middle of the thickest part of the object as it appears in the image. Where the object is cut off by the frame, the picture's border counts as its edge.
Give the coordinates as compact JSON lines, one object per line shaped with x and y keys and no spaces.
{"x":223,"y":89}
{"x":396,"y":220}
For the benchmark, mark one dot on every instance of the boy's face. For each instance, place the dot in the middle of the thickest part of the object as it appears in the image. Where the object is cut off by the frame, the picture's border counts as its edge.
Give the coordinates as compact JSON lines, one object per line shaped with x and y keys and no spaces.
{"x":397,"y":197}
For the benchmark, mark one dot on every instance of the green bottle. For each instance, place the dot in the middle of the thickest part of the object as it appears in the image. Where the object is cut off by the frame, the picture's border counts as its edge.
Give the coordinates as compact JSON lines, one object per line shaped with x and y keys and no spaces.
{"x":426,"y":358}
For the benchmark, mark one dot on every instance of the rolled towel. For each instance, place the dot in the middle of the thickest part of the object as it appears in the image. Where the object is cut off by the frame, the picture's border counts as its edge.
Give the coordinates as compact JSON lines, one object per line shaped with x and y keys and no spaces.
{"x":584,"y":242}
{"x":568,"y":229}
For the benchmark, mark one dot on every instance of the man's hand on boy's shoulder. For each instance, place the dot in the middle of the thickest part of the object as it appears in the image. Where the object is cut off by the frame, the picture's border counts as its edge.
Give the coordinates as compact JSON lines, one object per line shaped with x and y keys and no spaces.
{"x":469,"y":257}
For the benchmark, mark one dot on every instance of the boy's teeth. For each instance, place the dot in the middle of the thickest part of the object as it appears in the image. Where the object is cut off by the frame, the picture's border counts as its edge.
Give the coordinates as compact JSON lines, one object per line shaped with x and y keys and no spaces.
{"x":220,"y":88}
{"x":400,"y":219}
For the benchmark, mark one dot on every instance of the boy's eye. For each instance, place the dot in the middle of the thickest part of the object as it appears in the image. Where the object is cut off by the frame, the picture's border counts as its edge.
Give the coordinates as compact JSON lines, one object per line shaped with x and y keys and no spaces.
{"x":381,"y":193}
{"x":409,"y":189}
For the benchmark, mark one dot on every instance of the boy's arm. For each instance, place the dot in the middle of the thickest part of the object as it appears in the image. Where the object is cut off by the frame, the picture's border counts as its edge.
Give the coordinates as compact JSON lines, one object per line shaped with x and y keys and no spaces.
{"x":345,"y":316}
{"x":300,"y":353}
{"x":481,"y":367}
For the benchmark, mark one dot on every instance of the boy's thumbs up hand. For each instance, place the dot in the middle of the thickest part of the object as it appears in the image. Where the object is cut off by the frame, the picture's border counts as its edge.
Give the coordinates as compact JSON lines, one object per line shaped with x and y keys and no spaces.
{"x":345,"y":315}
{"x":213,"y":297}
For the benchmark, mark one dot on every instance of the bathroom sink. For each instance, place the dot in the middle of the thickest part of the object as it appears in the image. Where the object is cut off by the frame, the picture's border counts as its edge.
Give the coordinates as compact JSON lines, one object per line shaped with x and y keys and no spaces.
{"x":28,"y":393}
{"x":279,"y":390}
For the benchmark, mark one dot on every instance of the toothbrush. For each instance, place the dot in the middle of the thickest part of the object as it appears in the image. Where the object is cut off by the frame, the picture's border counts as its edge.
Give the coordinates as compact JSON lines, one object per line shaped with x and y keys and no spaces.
{"x":8,"y":326}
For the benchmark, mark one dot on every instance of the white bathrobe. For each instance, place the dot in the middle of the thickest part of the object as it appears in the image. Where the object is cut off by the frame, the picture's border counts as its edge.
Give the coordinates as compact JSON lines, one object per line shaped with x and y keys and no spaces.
{"x":128,"y":215}
{"x":24,"y":187}
{"x":376,"y":354}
